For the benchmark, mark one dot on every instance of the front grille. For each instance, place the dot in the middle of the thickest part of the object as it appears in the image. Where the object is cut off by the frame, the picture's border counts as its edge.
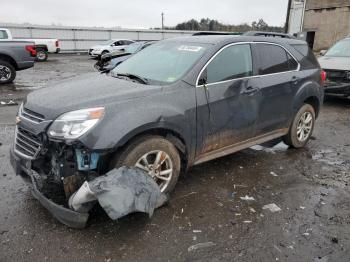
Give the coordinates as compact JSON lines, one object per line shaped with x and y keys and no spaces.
{"x":27,"y":144}
{"x":337,"y":75}
{"x":32,"y":116}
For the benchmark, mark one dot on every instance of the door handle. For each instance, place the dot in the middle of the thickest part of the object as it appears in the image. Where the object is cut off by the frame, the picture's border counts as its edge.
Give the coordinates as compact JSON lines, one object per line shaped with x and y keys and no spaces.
{"x":250,"y":90}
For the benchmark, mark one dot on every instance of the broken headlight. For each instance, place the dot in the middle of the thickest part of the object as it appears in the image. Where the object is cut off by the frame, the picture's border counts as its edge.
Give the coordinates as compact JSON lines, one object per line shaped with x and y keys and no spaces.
{"x":74,"y":124}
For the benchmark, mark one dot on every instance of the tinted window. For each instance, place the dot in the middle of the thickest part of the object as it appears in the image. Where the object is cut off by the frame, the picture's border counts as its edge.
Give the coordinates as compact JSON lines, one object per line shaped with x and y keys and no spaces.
{"x":3,"y":34}
{"x":232,"y":62}
{"x":273,"y":59}
{"x":127,"y":42}
{"x":309,"y":60}
{"x":293,"y":65}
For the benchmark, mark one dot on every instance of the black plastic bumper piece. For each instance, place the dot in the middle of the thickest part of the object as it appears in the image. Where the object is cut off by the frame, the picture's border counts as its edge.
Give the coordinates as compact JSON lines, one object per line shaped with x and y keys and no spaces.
{"x":66,"y":216}
{"x":337,"y":89}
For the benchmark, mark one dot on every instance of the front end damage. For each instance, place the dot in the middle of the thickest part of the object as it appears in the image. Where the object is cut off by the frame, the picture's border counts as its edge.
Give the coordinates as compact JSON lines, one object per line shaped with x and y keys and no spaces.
{"x":60,"y":170}
{"x":56,"y":170}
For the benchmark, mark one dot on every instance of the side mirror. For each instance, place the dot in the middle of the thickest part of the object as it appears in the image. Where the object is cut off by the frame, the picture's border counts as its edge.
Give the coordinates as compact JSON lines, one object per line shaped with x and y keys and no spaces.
{"x":323,"y":52}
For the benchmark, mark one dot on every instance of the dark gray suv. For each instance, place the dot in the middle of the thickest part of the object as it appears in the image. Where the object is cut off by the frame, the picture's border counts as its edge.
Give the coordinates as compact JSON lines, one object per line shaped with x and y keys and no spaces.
{"x":176,"y":104}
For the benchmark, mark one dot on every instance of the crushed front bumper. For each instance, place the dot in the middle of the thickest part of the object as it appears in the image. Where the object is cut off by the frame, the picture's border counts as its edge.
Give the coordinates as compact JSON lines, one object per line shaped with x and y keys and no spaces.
{"x":337,"y":88}
{"x":64,"y":215}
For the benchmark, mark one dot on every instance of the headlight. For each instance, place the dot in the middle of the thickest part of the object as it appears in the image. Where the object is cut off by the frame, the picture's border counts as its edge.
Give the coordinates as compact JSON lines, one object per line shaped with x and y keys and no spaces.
{"x":74,"y":124}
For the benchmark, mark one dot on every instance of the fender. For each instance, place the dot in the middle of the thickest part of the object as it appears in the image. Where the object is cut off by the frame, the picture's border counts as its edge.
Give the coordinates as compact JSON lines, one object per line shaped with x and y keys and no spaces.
{"x":41,"y":47}
{"x":126,"y":120}
{"x":309,"y":89}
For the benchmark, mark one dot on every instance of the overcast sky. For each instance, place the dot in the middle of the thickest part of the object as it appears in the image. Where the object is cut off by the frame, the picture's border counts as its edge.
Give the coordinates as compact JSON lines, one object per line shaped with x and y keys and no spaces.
{"x":140,"y":13}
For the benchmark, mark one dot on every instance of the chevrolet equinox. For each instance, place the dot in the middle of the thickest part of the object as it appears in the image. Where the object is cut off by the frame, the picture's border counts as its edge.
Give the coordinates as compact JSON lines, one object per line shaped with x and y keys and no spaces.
{"x":175,"y":104}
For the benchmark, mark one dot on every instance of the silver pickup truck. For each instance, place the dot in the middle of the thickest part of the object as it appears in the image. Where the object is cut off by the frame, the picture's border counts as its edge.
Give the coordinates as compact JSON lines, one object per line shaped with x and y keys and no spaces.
{"x":15,"y":56}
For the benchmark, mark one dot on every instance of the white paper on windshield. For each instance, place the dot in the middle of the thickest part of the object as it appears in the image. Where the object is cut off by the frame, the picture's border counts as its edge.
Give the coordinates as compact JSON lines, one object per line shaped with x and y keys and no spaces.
{"x":190,"y":48}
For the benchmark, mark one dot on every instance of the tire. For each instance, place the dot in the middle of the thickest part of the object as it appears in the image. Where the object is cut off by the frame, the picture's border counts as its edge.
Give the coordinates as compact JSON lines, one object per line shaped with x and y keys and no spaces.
{"x":7,"y":72}
{"x":41,"y":55}
{"x":300,"y":132}
{"x":103,"y":53}
{"x":151,"y":146}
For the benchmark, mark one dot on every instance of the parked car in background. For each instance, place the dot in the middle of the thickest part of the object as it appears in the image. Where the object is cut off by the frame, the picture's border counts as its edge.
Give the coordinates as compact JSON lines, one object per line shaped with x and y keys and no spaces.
{"x":110,"y":60}
{"x":15,"y":56}
{"x":336,"y":63}
{"x":43,"y":46}
{"x":111,"y":45}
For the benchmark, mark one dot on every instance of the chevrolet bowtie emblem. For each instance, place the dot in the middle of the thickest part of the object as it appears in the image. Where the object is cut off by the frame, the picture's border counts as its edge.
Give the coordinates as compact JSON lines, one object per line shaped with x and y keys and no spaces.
{"x":18,"y":119}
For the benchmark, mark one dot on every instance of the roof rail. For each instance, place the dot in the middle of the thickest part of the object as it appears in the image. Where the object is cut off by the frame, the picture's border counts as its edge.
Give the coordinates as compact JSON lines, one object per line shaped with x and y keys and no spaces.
{"x":268,"y":34}
{"x":215,"y":33}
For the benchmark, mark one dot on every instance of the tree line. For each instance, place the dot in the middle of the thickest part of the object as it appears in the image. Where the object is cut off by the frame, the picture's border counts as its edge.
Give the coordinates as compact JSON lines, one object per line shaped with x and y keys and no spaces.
{"x":206,"y":24}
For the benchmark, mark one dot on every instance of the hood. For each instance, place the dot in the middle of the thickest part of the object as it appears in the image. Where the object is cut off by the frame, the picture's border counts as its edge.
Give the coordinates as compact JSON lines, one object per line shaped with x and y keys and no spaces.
{"x":334,"y":63}
{"x":89,"y":90}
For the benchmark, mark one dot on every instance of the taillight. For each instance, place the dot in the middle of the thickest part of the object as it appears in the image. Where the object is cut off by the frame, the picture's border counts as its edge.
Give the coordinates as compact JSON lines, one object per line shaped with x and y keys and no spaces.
{"x":31,"y":49}
{"x":56,"y":43}
{"x":323,"y":76}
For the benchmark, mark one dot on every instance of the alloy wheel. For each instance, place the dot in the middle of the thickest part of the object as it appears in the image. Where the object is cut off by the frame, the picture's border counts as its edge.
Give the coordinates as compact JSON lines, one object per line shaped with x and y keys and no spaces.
{"x":304,"y":126}
{"x":5,"y":73}
{"x":158,"y":165}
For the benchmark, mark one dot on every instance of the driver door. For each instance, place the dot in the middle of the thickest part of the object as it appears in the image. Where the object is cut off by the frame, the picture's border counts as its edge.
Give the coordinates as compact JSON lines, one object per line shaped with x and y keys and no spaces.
{"x":227,"y":100}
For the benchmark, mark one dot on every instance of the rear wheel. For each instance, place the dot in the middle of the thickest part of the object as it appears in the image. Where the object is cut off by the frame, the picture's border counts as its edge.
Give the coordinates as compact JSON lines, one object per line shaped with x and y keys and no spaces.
{"x":301,"y":128}
{"x":41,"y":55}
{"x":156,"y":156}
{"x":7,"y":72}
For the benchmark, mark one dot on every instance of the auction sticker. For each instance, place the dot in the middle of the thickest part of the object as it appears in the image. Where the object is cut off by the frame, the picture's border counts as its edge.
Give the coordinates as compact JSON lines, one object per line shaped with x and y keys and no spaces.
{"x":190,"y":48}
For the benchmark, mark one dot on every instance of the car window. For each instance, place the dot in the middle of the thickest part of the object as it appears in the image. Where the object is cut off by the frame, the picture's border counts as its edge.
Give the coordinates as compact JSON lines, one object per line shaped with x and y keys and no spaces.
{"x":118,"y":43}
{"x":273,"y":59}
{"x":3,"y":34}
{"x":309,"y":60}
{"x":127,"y":42}
{"x":293,"y":65}
{"x":340,"y":49}
{"x":232,"y":62}
{"x":164,"y":62}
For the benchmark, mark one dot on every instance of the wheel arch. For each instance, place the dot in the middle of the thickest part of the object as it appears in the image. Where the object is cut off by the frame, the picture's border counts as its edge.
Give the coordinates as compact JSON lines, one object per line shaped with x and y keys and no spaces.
{"x":315,"y":103}
{"x":44,"y":47}
{"x":309,"y":93}
{"x":174,"y":136}
{"x":9,"y":59}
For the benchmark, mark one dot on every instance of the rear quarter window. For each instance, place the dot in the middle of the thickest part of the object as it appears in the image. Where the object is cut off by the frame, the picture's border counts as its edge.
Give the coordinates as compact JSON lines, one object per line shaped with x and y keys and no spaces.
{"x":273,"y":59}
{"x":309,"y":60}
{"x":3,"y":34}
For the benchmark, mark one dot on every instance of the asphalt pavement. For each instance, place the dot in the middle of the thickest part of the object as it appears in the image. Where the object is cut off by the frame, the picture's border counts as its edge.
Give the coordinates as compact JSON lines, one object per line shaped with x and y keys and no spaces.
{"x":266,"y":203}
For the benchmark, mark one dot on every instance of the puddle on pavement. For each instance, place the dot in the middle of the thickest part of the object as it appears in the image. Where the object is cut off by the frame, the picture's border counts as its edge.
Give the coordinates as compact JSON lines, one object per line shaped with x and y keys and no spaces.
{"x":331,"y":157}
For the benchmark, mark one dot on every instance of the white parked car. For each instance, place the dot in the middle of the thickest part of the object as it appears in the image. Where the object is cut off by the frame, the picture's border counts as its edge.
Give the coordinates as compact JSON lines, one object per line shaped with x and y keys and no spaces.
{"x":43,"y":46}
{"x":108,"y":47}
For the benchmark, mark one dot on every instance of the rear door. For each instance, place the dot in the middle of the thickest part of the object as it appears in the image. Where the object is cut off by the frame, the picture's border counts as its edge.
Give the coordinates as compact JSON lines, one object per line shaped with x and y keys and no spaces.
{"x":278,"y":82}
{"x":226,"y":99}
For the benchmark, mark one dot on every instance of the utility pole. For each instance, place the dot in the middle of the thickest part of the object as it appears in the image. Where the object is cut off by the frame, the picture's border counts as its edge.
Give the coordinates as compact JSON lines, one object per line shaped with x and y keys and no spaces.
{"x":162,"y":20}
{"x":288,"y":14}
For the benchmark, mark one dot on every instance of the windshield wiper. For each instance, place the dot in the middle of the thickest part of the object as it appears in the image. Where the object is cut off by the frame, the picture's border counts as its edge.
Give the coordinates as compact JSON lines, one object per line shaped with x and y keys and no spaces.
{"x":137,"y":77}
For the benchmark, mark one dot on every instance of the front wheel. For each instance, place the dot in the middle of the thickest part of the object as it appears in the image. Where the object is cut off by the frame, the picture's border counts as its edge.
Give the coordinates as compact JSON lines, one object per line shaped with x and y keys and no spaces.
{"x":158,"y":157}
{"x":302,"y":127}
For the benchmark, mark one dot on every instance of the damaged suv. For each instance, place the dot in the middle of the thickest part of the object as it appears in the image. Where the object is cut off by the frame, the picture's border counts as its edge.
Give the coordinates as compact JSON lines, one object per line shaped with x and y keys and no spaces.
{"x":178,"y":103}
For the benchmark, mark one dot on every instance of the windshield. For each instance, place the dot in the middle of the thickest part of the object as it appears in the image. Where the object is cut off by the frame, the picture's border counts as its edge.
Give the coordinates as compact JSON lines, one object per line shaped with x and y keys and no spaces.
{"x":109,"y":42}
{"x":341,"y":48}
{"x":132,"y":48}
{"x":162,"y":63}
